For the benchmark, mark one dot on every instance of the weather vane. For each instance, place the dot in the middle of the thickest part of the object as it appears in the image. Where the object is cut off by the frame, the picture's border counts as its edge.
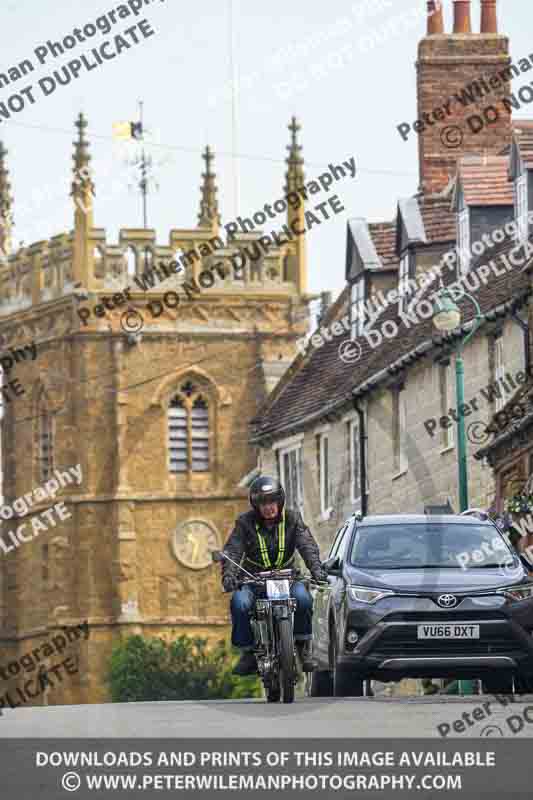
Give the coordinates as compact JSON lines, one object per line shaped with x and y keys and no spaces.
{"x":142,"y":163}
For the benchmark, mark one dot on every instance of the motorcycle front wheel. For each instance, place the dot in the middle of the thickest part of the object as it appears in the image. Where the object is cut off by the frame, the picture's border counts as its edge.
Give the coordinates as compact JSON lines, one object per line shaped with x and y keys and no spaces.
{"x":273,"y":693}
{"x":286,"y":660}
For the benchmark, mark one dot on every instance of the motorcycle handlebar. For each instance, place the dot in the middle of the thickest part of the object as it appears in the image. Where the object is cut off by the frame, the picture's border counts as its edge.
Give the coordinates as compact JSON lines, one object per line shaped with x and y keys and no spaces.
{"x":262,"y":578}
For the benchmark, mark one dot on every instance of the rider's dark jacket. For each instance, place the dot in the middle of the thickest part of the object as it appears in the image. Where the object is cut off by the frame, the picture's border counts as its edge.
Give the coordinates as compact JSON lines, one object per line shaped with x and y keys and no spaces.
{"x":247,"y":548}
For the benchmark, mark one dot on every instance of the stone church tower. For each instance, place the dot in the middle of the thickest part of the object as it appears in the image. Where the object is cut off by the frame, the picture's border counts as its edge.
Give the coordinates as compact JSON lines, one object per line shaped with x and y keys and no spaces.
{"x":157,"y":420}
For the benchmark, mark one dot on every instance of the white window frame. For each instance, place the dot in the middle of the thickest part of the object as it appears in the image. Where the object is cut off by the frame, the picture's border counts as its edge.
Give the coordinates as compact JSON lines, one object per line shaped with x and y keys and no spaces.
{"x":324,"y":474}
{"x":403,"y":280}
{"x":499,"y":371}
{"x":354,"y":457}
{"x":297,"y":501}
{"x":463,"y":239}
{"x":521,"y":207}
{"x":401,"y":464}
{"x":445,"y":381}
{"x":357,"y":307}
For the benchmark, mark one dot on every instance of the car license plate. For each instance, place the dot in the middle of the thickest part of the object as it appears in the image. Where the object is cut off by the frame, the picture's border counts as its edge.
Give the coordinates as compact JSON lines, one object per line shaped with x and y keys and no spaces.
{"x":455,"y":631}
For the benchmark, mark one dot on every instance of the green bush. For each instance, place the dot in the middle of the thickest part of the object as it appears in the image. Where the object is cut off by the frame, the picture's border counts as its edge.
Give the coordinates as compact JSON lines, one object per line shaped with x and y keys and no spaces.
{"x":152,"y":669}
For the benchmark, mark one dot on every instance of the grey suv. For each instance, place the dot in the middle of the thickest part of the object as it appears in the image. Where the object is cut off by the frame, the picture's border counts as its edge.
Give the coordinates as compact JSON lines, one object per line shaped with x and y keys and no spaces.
{"x":422,"y":596}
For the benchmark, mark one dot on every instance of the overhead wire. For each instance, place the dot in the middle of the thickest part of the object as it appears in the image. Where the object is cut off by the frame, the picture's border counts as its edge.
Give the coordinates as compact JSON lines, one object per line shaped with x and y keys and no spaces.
{"x":222,"y":153}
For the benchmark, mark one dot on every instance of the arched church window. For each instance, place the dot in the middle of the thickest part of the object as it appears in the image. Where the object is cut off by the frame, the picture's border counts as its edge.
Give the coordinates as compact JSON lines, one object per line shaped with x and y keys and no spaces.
{"x":188,"y":430}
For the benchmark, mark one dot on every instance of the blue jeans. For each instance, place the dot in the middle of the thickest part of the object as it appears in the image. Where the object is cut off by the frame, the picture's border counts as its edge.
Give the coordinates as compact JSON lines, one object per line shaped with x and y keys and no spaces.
{"x":242,"y":603}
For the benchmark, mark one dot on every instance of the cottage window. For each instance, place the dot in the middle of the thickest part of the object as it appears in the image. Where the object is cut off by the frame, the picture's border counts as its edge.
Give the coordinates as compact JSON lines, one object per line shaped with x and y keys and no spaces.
{"x":291,"y":476}
{"x":323,"y":472}
{"x":403,"y":281}
{"x":353,"y":456}
{"x":357,"y":307}
{"x":399,"y":431}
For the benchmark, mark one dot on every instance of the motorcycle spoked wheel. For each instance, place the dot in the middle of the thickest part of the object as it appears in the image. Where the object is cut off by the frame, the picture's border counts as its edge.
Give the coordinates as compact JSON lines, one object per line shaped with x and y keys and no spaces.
{"x":287,"y":663}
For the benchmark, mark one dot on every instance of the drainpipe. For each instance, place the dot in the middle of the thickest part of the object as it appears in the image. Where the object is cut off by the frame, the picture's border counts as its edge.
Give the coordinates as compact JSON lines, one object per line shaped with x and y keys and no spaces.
{"x":527,"y":351}
{"x":362,"y":456}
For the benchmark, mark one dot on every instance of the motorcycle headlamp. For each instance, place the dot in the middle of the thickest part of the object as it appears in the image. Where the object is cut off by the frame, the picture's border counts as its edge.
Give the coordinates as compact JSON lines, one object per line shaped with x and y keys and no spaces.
{"x":517,"y":593}
{"x":363,"y":594}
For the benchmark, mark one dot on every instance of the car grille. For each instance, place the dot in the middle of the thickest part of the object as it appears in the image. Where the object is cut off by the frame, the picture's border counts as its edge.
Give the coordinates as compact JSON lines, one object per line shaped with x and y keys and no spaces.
{"x":439,"y":616}
{"x":402,"y":642}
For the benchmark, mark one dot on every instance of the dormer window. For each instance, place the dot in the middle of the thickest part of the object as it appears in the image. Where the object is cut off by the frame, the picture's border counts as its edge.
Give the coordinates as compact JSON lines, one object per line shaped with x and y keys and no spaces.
{"x":357,"y":308}
{"x":403,"y":281}
{"x":521,"y":207}
{"x":463,"y":240}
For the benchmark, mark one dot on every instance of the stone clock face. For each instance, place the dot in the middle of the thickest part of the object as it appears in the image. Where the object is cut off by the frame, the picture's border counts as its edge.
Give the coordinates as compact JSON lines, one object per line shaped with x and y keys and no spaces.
{"x":193,"y":542}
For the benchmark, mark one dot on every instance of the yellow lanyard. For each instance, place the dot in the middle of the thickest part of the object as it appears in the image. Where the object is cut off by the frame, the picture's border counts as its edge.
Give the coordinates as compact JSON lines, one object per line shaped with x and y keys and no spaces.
{"x":281,"y":545}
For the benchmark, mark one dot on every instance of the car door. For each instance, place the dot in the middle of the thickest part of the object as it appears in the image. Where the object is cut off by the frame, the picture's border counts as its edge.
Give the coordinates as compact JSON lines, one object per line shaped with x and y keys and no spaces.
{"x":337,"y":583}
{"x":322,"y":597}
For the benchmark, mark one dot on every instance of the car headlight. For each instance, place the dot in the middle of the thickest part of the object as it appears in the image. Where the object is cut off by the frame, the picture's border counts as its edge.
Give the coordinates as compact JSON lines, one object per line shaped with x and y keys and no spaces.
{"x":365,"y":595}
{"x":517,"y":593}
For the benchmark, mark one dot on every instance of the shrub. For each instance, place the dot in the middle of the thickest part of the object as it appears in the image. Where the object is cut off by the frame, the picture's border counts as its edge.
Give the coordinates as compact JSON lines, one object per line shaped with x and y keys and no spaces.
{"x":152,"y":669}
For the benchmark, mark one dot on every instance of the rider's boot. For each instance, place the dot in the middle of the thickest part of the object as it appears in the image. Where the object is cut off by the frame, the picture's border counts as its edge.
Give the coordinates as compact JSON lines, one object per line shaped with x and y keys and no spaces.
{"x":247,"y":664}
{"x":305,"y":648}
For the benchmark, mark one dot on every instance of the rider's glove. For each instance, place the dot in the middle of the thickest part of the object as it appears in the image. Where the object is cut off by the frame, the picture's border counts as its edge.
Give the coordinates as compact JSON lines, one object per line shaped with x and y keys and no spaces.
{"x":319,"y":575}
{"x":230,"y":583}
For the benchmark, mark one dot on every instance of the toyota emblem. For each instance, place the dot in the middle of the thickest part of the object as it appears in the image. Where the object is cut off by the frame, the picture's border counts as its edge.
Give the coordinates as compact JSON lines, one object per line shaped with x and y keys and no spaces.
{"x":447,"y":601}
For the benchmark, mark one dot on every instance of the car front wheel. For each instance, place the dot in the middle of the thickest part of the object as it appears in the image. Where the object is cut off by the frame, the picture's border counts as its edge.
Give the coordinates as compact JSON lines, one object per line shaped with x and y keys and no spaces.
{"x":321,"y":684}
{"x":344,"y":683}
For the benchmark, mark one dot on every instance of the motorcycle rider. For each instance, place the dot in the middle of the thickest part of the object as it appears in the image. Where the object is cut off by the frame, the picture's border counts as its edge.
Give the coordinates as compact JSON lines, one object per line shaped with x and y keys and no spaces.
{"x":264,"y":538}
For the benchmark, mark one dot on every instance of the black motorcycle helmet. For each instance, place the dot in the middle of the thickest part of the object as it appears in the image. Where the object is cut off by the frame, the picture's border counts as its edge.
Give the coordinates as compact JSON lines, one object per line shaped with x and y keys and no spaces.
{"x":266,"y":490}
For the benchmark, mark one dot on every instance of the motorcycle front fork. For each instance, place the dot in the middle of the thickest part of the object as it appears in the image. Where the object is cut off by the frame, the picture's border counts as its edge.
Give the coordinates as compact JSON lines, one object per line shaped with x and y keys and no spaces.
{"x":263,"y":639}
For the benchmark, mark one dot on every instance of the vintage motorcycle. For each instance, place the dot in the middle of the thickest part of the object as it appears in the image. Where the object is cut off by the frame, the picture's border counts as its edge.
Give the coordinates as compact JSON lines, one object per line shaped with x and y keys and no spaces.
{"x":272,"y":624}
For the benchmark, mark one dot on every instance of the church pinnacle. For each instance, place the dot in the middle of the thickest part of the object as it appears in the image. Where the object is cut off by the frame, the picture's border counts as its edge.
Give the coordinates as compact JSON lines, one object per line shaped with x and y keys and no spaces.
{"x":295,"y":174}
{"x":209,"y":216}
{"x":6,"y":201}
{"x":82,"y":185}
{"x":82,"y":192}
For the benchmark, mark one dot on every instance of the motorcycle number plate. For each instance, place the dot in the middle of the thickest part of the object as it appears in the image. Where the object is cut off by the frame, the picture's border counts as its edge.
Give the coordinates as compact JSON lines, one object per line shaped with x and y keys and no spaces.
{"x":278,"y":590}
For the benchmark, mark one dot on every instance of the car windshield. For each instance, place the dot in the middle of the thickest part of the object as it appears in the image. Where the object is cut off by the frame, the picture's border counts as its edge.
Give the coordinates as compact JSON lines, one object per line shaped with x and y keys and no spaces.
{"x":430,"y":545}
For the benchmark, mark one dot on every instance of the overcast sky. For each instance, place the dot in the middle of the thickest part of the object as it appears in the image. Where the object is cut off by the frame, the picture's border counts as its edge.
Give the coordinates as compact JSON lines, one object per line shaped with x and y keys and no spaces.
{"x":314,"y":60}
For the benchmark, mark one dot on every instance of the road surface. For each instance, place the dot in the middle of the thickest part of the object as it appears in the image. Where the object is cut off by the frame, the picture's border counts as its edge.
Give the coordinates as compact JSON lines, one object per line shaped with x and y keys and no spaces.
{"x":351,"y":717}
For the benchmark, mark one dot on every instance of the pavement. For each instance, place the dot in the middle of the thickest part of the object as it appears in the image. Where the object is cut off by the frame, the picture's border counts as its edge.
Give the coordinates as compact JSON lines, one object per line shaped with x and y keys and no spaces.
{"x":359,"y":718}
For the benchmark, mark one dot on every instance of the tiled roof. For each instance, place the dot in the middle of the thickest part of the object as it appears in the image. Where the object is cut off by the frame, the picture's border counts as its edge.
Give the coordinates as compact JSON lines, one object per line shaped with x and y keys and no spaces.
{"x":523,"y":132}
{"x":383,"y":235}
{"x":438,"y":218}
{"x":334,"y":312}
{"x":324,"y":382}
{"x":439,"y":226}
{"x":485,"y":180}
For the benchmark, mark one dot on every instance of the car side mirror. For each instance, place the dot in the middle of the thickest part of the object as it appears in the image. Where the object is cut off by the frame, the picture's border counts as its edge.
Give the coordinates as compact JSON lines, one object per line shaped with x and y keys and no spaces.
{"x":525,"y":563}
{"x":333,"y":567}
{"x":217,"y":556}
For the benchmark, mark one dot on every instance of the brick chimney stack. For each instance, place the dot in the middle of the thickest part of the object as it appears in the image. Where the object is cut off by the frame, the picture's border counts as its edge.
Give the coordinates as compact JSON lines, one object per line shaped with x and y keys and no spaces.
{"x":435,"y":19}
{"x":489,"y":22}
{"x":461,"y":16}
{"x":454,"y":72}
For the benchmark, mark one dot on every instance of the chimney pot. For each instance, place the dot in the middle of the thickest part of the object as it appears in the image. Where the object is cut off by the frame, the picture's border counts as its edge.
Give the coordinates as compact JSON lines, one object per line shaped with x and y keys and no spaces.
{"x":435,"y":19}
{"x":461,"y":16}
{"x":489,"y":20}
